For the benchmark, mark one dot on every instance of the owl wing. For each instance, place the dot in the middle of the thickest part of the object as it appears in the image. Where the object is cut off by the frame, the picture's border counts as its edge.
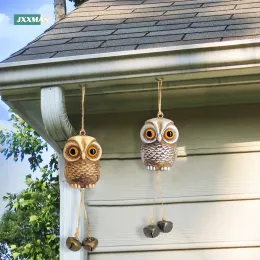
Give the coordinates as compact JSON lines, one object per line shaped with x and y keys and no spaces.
{"x":93,"y":173}
{"x":175,"y":152}
{"x":73,"y":173}
{"x":68,"y":174}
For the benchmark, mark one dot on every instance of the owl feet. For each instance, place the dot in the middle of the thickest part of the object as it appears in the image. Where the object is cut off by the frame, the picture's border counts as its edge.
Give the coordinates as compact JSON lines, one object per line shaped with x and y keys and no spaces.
{"x":75,"y":186}
{"x":90,"y":186}
{"x":78,"y":186}
{"x":152,"y":168}
{"x":165,"y":168}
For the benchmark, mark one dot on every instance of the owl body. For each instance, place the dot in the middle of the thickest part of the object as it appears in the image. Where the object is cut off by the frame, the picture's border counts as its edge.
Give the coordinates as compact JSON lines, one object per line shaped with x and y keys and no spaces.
{"x":158,"y":155}
{"x":82,"y":161}
{"x":84,"y":174}
{"x":159,"y":144}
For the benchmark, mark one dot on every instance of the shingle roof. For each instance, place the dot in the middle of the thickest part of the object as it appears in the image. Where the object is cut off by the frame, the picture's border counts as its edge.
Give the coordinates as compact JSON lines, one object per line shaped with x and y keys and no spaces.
{"x":100,"y":26}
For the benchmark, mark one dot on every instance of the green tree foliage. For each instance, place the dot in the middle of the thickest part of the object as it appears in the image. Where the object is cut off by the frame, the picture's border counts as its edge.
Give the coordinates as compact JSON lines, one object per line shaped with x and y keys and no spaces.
{"x":77,"y":2}
{"x":30,"y":225}
{"x":24,"y":141}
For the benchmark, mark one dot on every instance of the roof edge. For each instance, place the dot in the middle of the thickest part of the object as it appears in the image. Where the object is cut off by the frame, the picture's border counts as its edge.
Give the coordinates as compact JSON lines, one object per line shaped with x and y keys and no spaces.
{"x":201,"y":46}
{"x":139,"y":63}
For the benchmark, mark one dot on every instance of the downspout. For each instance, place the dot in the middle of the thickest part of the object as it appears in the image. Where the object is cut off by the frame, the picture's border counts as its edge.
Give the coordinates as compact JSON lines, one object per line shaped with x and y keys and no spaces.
{"x":54,"y":115}
{"x":58,"y":126}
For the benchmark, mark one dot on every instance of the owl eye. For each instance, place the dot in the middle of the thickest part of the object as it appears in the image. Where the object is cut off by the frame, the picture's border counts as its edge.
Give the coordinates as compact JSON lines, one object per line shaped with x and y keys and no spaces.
{"x":92,"y":151}
{"x":169,"y":134}
{"x":73,"y":151}
{"x":149,"y":133}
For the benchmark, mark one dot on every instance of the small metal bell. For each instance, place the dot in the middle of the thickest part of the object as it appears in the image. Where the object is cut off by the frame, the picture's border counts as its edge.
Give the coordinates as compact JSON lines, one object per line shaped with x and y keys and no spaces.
{"x":73,"y":244}
{"x":90,"y":243}
{"x":165,"y":226}
{"x":151,"y":231}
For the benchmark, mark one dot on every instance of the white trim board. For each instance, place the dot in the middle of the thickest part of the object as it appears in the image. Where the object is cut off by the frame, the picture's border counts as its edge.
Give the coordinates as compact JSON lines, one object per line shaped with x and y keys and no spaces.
{"x":69,"y":205}
{"x":209,"y":254}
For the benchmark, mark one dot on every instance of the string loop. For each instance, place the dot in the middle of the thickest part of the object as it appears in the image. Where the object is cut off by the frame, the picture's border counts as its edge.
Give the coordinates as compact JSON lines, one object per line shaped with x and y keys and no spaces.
{"x":82,"y":132}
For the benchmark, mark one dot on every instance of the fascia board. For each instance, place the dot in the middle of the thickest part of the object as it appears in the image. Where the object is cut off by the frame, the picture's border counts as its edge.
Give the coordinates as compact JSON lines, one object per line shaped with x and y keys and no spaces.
{"x":196,"y":58}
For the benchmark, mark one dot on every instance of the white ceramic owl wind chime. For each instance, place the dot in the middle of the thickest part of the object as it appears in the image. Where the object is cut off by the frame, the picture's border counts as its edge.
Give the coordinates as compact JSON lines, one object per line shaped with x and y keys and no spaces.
{"x":82,"y":156}
{"x":159,"y":138}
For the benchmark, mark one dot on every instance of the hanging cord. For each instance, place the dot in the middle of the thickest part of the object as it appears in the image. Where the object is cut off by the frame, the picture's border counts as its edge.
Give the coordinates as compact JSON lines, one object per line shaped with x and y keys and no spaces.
{"x":160,"y":113}
{"x":82,"y":204}
{"x":151,"y":219}
{"x":87,"y":220}
{"x":159,"y":188}
{"x":76,"y":235}
{"x":83,"y":131}
{"x":159,"y":185}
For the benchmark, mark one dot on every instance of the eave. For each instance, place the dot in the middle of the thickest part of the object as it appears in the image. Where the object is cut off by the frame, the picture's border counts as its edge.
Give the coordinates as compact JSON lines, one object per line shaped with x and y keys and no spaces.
{"x":195,"y":75}
{"x":200,"y":61}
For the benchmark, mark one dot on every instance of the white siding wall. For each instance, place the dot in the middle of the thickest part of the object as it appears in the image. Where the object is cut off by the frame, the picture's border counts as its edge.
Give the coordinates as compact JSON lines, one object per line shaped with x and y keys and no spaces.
{"x":212,"y":195}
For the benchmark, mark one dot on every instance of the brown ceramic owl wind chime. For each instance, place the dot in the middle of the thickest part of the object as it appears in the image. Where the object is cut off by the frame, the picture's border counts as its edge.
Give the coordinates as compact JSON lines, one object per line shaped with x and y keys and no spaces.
{"x":158,"y":152}
{"x":82,"y":156}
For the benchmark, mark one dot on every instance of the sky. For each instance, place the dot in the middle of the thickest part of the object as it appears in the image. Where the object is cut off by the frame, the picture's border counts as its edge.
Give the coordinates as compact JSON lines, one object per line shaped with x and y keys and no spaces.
{"x":12,"y":39}
{"x":12,"y":174}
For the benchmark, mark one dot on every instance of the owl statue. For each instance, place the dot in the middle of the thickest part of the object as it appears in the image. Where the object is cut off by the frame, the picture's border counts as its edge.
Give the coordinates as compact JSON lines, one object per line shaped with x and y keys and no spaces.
{"x":159,"y":144}
{"x":82,"y":161}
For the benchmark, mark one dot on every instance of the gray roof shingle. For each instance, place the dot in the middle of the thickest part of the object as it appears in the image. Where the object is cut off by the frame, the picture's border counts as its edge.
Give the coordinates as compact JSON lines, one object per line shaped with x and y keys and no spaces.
{"x":100,"y":26}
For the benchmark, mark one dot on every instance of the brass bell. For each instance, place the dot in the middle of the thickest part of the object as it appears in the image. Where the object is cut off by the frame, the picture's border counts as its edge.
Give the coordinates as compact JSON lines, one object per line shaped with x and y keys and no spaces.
{"x":151,"y":231}
{"x":90,"y":243}
{"x":165,"y":226}
{"x":73,"y":244}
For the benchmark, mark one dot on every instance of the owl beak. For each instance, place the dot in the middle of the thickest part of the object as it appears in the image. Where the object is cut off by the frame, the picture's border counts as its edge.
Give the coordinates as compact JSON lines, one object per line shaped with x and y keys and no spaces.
{"x":83,"y":156}
{"x":159,"y":138}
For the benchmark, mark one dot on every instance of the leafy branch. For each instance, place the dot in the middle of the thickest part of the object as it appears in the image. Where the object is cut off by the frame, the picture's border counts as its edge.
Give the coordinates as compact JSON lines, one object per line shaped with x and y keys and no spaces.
{"x":30,"y":225}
